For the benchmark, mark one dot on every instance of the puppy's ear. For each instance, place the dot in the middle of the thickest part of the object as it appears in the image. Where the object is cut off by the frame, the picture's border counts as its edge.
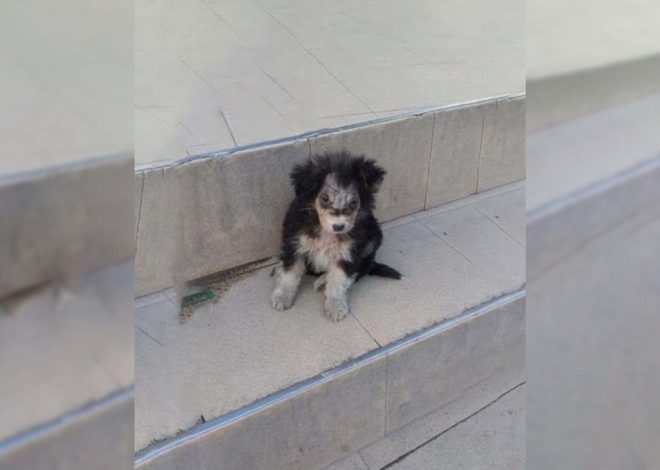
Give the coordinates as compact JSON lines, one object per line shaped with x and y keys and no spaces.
{"x":306,"y":178}
{"x":369,"y":174}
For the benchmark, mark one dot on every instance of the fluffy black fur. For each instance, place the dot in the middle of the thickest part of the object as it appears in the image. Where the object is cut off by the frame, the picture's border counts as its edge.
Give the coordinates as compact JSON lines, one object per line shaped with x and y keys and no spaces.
{"x":301,"y":218}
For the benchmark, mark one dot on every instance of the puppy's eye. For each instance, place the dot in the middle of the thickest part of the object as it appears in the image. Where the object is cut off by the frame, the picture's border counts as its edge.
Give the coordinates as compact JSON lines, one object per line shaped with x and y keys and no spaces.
{"x":353,"y":205}
{"x":325,"y":198}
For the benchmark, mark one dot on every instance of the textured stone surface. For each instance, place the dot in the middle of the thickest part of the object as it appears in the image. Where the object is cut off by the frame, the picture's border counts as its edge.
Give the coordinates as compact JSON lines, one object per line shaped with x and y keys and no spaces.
{"x":213,"y":214}
{"x":502,"y":157}
{"x":323,"y":423}
{"x":402,"y":147}
{"x":430,"y":374}
{"x":64,"y":224}
{"x":455,"y":157}
{"x":494,"y":438}
{"x":484,"y":244}
{"x":507,"y":212}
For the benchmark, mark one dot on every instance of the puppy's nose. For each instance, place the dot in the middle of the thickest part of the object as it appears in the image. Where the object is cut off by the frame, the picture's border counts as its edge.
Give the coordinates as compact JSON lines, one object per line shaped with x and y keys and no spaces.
{"x":338,"y":227}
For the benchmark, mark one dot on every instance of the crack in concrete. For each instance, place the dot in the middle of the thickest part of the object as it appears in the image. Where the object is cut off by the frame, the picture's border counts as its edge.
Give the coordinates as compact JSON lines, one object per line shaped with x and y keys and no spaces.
{"x":444,"y":241}
{"x":210,"y":85}
{"x":149,"y":336}
{"x":481,"y":145}
{"x":499,"y":227}
{"x":139,"y":217}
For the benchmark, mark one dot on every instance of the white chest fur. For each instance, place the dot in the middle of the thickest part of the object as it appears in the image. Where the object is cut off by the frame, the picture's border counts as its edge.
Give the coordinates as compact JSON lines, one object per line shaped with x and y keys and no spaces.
{"x":324,"y":251}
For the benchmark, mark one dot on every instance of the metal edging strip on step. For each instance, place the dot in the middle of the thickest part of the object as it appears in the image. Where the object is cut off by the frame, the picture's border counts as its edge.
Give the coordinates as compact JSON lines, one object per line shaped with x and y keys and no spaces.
{"x":596,"y":189}
{"x":69,"y":418}
{"x":153,"y":452}
{"x":60,"y":168}
{"x":160,"y":164}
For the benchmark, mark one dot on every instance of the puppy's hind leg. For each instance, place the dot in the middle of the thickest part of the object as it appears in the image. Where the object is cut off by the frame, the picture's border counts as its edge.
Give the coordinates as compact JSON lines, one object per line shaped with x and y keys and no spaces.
{"x":286,"y":284}
{"x":336,"y":293}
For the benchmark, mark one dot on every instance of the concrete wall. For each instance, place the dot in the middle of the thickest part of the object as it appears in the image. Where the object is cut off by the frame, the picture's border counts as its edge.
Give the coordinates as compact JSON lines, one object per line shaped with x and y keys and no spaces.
{"x":209,"y":214}
{"x":65,"y":222}
{"x":557,"y":98}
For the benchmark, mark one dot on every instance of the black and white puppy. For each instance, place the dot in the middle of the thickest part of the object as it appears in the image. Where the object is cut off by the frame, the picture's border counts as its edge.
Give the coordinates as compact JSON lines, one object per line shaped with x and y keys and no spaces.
{"x":330,"y":230}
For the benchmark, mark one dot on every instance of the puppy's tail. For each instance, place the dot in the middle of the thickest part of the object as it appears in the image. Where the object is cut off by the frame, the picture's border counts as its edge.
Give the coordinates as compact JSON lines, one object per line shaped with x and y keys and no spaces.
{"x":383,"y":270}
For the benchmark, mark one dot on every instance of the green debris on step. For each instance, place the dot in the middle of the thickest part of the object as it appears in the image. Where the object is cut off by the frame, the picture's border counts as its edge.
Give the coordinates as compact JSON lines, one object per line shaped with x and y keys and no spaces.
{"x":203,"y":296}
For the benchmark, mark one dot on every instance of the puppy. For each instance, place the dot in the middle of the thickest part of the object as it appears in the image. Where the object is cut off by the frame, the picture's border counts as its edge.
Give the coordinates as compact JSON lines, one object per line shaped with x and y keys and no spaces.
{"x":330,"y":230}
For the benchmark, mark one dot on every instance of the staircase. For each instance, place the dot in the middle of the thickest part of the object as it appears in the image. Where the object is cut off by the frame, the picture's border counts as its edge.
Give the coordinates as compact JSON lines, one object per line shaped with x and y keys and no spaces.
{"x":593,"y":169}
{"x":232,"y":383}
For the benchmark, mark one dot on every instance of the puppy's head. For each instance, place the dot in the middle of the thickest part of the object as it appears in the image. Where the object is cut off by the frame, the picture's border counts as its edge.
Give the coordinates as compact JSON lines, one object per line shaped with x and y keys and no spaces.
{"x":338,"y":186}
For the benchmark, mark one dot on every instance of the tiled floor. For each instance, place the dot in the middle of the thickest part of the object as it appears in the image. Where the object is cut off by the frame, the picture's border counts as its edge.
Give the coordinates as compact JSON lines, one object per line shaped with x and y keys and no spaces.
{"x":237,"y":350}
{"x":66,"y":83}
{"x":214,"y":74}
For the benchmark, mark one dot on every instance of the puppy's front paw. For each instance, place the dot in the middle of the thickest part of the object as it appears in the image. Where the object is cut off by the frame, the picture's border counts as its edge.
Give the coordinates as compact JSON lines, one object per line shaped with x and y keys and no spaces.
{"x":281,"y":300}
{"x":336,"y":309}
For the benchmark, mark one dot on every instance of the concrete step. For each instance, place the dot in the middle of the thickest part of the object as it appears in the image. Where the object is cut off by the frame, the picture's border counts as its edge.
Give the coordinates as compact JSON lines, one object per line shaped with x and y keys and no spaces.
{"x":200,"y":215}
{"x":574,"y":67}
{"x":69,"y":348}
{"x":64,"y":221}
{"x":492,"y":437}
{"x":235,"y":372}
{"x":592,"y":232}
{"x":588,"y":175}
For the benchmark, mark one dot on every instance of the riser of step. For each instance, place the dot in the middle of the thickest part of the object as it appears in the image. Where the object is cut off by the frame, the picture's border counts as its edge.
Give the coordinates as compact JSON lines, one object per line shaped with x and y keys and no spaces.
{"x":203,"y":215}
{"x":556,"y":99}
{"x":614,"y":162}
{"x":479,"y":353}
{"x":65,"y":222}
